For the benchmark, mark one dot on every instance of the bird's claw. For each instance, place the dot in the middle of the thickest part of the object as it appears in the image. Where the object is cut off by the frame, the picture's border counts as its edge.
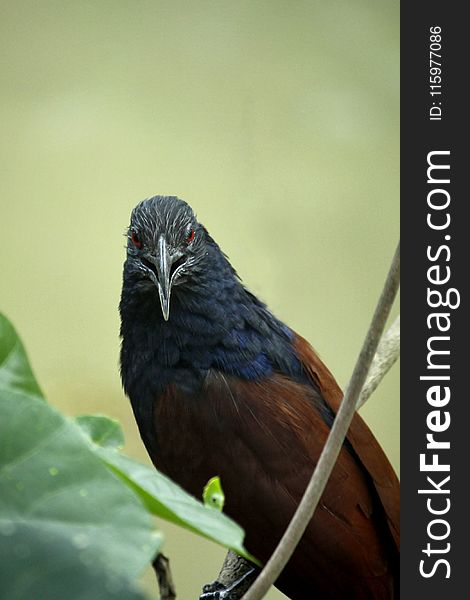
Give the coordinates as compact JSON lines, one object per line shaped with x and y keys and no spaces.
{"x":212,"y":591}
{"x":218,"y":591}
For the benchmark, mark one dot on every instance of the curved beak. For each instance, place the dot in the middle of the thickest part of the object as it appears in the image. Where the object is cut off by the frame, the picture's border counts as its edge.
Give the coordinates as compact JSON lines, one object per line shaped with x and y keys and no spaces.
{"x":163,"y":264}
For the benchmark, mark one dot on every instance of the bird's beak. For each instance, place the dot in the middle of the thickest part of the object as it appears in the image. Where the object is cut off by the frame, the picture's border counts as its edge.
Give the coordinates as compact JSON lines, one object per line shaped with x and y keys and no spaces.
{"x":163,"y":265}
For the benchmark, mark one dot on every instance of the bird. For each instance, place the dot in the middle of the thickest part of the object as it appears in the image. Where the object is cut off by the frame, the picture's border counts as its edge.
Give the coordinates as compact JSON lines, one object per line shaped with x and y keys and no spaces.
{"x":220,"y":386}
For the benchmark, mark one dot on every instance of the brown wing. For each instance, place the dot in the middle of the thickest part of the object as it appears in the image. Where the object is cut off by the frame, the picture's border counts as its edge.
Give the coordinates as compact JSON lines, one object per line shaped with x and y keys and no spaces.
{"x":361,"y":438}
{"x":263,"y":439}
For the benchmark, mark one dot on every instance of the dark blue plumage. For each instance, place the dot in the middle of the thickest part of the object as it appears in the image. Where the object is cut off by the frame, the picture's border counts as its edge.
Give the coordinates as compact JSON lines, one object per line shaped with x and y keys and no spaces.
{"x":203,"y":358}
{"x":216,"y":323}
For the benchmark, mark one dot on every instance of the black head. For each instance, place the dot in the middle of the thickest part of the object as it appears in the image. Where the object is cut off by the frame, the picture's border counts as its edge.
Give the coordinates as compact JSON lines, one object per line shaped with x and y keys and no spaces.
{"x":166,"y":246}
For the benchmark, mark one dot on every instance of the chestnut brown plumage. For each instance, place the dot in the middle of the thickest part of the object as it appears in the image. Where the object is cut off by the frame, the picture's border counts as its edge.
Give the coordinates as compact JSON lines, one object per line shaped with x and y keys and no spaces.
{"x":219,"y":386}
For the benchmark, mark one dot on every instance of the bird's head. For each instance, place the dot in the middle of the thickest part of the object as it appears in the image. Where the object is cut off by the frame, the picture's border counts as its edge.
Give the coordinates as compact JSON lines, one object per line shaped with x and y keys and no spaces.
{"x":166,"y":246}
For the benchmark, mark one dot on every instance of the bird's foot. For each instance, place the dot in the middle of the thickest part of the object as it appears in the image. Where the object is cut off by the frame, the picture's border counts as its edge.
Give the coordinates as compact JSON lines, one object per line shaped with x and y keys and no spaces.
{"x":218,"y":591}
{"x":236,"y":576}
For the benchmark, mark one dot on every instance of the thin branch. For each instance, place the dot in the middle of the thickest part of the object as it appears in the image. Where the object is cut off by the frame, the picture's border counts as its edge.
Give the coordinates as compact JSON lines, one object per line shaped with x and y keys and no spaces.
{"x":161,"y":565}
{"x":384,"y":359}
{"x":333,"y":445}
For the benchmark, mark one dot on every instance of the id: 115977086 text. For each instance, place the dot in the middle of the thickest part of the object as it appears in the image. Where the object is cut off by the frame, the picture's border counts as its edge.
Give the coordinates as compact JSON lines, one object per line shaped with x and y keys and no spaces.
{"x":435,"y":73}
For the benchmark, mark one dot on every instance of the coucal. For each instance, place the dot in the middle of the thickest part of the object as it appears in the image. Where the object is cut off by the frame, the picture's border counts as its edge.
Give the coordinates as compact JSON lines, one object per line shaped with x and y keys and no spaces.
{"x":220,"y":386}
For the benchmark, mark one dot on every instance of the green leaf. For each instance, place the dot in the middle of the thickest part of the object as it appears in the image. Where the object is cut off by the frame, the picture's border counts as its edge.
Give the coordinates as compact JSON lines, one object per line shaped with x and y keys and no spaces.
{"x":46,"y":565}
{"x":162,"y":496}
{"x":55,"y":486}
{"x":169,"y":501}
{"x":15,"y":372}
{"x":61,"y":509}
{"x":63,"y":502}
{"x":102,"y":430}
{"x":213,"y":494}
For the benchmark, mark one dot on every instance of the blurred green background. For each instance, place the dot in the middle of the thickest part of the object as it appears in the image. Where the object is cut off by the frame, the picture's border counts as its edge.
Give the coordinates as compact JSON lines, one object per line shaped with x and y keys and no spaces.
{"x":278,"y":121}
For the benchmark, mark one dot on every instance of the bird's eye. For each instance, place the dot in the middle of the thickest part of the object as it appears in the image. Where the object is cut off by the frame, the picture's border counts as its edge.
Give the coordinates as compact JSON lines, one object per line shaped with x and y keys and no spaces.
{"x":136,"y":240}
{"x":191,"y":235}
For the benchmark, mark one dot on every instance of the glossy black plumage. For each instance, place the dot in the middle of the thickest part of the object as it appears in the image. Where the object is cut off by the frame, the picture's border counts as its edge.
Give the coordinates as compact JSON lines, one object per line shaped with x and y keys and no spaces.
{"x":224,"y":388}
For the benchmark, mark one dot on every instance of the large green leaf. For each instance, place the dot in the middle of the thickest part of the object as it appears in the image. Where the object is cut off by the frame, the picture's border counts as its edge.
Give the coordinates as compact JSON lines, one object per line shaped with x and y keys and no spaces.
{"x":68,"y":496}
{"x":15,"y":372}
{"x":38,"y":564}
{"x":61,"y":508}
{"x":166,"y":499}
{"x":54,"y":488}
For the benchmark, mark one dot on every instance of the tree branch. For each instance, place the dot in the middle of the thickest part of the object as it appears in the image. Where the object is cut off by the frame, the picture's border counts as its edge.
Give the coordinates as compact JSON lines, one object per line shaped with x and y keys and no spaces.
{"x":384,"y":359}
{"x":161,"y":565}
{"x":335,"y":440}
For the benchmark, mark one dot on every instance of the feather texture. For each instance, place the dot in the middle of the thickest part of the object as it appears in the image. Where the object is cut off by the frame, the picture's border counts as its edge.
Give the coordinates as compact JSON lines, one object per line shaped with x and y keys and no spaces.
{"x":263,"y":440}
{"x":225,"y":388}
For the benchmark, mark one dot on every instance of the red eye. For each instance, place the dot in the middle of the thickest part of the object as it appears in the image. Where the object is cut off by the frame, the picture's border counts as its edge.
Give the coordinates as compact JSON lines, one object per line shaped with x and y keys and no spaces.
{"x":191,"y":236}
{"x":136,"y":240}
